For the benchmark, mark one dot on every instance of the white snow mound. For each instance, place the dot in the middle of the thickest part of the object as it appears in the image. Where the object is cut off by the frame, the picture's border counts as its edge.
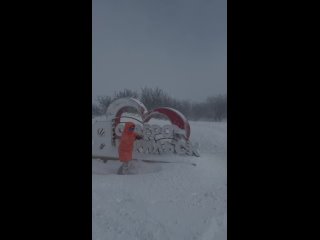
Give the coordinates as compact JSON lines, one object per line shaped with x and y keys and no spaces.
{"x":165,"y":201}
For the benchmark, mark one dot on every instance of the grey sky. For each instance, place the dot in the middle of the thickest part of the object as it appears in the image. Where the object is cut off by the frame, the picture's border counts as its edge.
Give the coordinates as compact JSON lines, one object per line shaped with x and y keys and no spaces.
{"x":177,"y":45}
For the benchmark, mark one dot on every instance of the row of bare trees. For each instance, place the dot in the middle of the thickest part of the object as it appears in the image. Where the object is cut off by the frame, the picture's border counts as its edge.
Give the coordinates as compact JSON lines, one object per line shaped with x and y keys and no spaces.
{"x":214,"y":108}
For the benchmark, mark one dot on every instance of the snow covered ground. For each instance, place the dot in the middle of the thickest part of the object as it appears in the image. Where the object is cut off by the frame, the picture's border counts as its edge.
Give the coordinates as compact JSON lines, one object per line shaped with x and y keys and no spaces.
{"x":165,"y":200}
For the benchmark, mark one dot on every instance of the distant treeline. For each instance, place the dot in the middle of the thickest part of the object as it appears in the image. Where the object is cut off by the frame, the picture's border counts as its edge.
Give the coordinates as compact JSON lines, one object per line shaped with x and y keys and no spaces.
{"x":214,"y":108}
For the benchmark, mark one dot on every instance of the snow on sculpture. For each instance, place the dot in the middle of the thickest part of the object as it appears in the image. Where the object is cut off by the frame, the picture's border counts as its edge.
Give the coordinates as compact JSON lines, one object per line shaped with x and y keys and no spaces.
{"x":157,"y":139}
{"x":175,"y":117}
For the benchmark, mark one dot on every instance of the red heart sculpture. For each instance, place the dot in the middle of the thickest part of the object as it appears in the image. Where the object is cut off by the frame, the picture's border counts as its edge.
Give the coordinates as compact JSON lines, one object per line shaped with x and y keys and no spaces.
{"x":121,"y":105}
{"x":175,"y":117}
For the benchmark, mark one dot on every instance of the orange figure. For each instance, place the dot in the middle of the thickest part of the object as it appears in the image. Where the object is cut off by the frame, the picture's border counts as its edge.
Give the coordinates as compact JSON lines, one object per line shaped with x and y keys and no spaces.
{"x":126,"y":146}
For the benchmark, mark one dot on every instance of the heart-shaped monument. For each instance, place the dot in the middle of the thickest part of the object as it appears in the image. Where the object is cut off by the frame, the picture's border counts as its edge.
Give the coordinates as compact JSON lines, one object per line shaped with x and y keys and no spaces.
{"x":173,"y":138}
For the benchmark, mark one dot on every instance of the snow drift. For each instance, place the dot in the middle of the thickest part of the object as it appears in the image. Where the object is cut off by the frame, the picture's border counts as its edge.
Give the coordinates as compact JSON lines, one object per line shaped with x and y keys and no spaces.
{"x":165,"y":200}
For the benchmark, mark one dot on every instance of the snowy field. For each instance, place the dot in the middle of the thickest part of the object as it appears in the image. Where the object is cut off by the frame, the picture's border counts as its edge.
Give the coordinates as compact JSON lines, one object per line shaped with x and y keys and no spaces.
{"x":165,"y":201}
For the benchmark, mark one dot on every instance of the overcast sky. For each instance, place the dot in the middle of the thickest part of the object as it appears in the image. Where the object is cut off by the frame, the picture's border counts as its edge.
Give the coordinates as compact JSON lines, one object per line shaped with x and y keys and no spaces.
{"x":177,"y":45}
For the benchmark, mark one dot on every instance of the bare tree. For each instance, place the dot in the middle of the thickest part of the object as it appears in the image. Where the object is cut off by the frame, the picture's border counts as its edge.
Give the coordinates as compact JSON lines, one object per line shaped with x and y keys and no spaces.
{"x":217,"y":106}
{"x":153,"y":98}
{"x":96,"y":111}
{"x":125,"y":93}
{"x":103,"y":103}
{"x":214,"y":108}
